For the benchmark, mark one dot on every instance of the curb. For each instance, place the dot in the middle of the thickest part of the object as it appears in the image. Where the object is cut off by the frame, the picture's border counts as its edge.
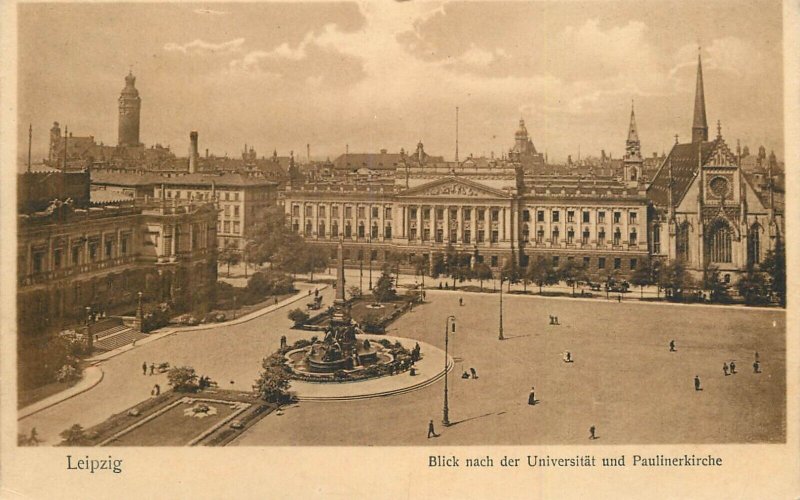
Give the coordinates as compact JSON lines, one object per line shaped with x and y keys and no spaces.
{"x":175,"y":330}
{"x":25,"y":412}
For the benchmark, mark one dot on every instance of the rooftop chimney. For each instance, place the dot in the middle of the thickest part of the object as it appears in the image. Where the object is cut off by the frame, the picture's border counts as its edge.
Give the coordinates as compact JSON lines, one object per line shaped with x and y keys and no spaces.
{"x":193,"y":155}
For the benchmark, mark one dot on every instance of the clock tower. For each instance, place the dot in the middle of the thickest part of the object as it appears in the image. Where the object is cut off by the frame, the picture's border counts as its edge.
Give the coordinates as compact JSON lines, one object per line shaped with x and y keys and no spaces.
{"x":129,"y":105}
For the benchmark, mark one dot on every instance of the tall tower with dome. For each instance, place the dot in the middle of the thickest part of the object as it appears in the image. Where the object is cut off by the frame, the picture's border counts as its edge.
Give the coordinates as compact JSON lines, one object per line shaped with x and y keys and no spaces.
{"x":129,"y":105}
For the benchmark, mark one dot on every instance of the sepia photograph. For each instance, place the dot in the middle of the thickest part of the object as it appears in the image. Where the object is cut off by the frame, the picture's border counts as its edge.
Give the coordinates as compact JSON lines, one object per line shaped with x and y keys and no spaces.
{"x":399,"y":224}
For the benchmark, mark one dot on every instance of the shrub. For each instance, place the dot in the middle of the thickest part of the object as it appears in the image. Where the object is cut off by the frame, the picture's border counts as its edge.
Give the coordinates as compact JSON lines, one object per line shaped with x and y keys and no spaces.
{"x":182,"y":378}
{"x":298,"y":316}
{"x":68,"y":373}
{"x":372,"y":322}
{"x":74,"y":436}
{"x":273,"y":382}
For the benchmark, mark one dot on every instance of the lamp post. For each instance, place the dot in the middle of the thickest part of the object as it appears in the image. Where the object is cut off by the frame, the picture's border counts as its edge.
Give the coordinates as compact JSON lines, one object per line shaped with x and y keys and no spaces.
{"x":361,"y":274}
{"x":450,"y":322}
{"x":369,"y":242}
{"x":89,"y":336}
{"x":501,"y":308}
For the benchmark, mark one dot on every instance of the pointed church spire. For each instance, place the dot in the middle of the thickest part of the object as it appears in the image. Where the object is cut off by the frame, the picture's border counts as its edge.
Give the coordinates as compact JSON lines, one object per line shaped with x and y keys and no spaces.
{"x":699,"y":124}
{"x":632,"y":145}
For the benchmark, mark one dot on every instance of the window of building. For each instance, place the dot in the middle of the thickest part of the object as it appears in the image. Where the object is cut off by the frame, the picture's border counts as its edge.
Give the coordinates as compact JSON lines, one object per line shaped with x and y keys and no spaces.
{"x":412,"y":213}
{"x":754,"y":244}
{"x":346,"y":254}
{"x":387,"y":213}
{"x":374,"y":231}
{"x":481,"y":214}
{"x":236,"y":196}
{"x":321,"y":211}
{"x":109,"y":249}
{"x":38,"y":262}
{"x":586,"y":262}
{"x":309,"y":228}
{"x":585,"y":216}
{"x":453,"y":235}
{"x":633,"y":264}
{"x":495,"y":215}
{"x":93,"y":251}
{"x":123,"y":245}
{"x":335,"y":211}
{"x":361,"y":212}
{"x":227,"y":196}
{"x":570,"y":236}
{"x":555,"y":260}
{"x":227,"y":227}
{"x":633,"y":237}
{"x":309,"y":211}
{"x":617,"y":263}
{"x":76,"y":252}
{"x":228,"y":211}
{"x":373,"y":255}
{"x":526,"y":233}
{"x":360,"y":254}
{"x":296,"y":210}
{"x":321,"y":229}
{"x":656,"y":239}
{"x":617,"y":236}
{"x":555,"y":235}
{"x":526,"y":216}
{"x":540,"y":216}
{"x":718,"y":242}
{"x":494,"y":261}
{"x":585,"y":236}
{"x":374,"y":212}
{"x":360,"y":229}
{"x":295,"y":227}
{"x":453,"y":214}
{"x":57,"y":258}
{"x":540,"y":235}
{"x":601,"y":236}
{"x":177,"y":195}
{"x":236,"y":211}
{"x":556,"y":215}
{"x":467,"y":214}
{"x":426,"y":214}
{"x":439,"y":235}
{"x":570,"y":216}
{"x":348,"y":230}
{"x":495,"y":236}
{"x":426,"y":234}
{"x":412,"y":233}
{"x":479,"y":236}
{"x":617,"y":217}
{"x":335,"y":229}
{"x":601,"y":217}
{"x":348,"y":212}
{"x":601,"y":263}
{"x":632,"y":218}
{"x":387,"y":232}
{"x":467,"y":236}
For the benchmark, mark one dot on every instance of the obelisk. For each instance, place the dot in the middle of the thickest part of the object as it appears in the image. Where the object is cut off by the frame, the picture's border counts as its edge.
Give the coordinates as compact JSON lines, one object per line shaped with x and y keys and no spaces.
{"x":341,"y":315}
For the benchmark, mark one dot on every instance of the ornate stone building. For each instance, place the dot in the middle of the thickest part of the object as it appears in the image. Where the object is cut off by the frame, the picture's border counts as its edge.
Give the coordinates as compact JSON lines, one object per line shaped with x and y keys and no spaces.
{"x":71,"y":258}
{"x":705,"y":210}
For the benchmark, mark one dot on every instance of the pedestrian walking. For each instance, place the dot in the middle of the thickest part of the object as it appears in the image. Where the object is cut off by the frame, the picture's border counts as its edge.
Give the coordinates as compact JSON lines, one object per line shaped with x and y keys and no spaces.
{"x":697,"y":383}
{"x":619,"y":298}
{"x":144,"y":368}
{"x":733,"y":367}
{"x":672,"y":346}
{"x":158,"y":389}
{"x":725,"y":369}
{"x":756,"y":367}
{"x":460,"y":301}
{"x":552,"y":319}
{"x":592,"y":434}
{"x":532,"y":397}
{"x":34,"y":439}
{"x":431,"y":430}
{"x":473,"y":372}
{"x":152,"y":368}
{"x":568,"y":357}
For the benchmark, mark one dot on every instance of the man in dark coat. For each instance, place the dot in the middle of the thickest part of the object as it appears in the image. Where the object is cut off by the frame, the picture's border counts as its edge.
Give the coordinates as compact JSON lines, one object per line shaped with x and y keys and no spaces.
{"x":144,"y":368}
{"x":697,"y":383}
{"x":532,"y":397}
{"x":431,"y":431}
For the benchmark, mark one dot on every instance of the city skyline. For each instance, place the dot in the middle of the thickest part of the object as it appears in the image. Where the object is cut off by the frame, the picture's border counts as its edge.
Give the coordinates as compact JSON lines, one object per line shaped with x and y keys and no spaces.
{"x":386,"y":76}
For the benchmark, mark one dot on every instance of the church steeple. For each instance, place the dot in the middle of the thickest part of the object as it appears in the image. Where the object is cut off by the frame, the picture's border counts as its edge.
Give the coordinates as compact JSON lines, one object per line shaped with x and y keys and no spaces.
{"x":699,"y":124}
{"x":632,"y":145}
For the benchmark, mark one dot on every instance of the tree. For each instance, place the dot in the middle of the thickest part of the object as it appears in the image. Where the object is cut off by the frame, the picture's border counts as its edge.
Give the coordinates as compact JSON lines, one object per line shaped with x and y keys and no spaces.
{"x":273,"y":382}
{"x":384,"y":290}
{"x":312,"y":258}
{"x":570,"y":271}
{"x":182,"y":378}
{"x":298,"y":316}
{"x":675,"y":277}
{"x":420,"y":266}
{"x":438,"y":267}
{"x":229,"y":256}
{"x":713,"y":281}
{"x":643,"y":275}
{"x":511,"y":271}
{"x":482,"y":272}
{"x":74,"y":436}
{"x":540,"y":272}
{"x":354,"y":291}
{"x":753,"y":287}
{"x":774,"y":264}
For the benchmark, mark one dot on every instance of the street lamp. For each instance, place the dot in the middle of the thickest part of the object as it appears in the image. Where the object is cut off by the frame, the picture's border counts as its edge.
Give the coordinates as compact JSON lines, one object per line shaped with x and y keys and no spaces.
{"x":501,"y":307}
{"x":450,"y":323}
{"x":369,"y":242}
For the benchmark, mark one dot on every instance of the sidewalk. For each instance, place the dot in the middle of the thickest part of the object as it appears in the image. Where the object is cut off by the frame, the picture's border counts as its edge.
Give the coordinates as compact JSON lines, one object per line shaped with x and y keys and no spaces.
{"x":91,"y":377}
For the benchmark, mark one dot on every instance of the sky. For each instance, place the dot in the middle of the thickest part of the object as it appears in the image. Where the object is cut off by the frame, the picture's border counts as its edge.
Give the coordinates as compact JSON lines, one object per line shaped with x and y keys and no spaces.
{"x":379,"y":74}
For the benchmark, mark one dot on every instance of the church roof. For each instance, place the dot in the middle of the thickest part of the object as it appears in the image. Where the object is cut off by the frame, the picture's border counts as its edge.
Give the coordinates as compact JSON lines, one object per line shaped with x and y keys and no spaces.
{"x":684,"y":162}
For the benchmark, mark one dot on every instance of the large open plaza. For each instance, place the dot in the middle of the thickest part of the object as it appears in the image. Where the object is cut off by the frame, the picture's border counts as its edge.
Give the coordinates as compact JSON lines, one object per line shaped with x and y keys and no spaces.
{"x":623,"y":379}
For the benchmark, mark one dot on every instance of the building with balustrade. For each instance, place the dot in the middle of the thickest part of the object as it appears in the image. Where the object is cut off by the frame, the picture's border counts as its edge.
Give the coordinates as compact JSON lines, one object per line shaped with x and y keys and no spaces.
{"x":72,"y":257}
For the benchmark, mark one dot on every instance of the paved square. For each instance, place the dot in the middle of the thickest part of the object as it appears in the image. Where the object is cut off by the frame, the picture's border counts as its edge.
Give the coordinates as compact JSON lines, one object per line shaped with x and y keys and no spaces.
{"x":623,"y":379}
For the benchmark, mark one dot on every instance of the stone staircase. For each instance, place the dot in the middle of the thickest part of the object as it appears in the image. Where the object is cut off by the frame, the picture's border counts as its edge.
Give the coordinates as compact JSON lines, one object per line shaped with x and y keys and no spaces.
{"x":116,"y":337}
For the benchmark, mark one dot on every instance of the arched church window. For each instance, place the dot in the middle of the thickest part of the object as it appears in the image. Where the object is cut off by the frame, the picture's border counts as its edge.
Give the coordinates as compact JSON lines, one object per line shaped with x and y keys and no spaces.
{"x":718,"y":242}
{"x":754,"y":244}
